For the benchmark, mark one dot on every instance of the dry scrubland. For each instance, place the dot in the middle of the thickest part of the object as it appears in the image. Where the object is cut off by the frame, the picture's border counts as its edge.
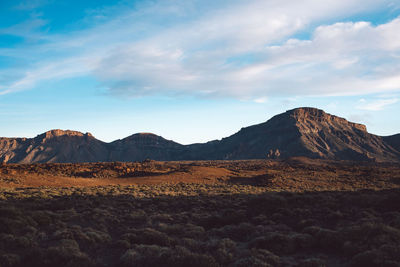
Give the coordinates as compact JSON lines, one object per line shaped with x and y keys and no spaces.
{"x":297,"y":212}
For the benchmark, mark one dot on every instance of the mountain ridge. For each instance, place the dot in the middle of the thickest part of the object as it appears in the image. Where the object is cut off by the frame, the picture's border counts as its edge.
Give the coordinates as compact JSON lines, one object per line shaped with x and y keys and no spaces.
{"x":304,"y":131}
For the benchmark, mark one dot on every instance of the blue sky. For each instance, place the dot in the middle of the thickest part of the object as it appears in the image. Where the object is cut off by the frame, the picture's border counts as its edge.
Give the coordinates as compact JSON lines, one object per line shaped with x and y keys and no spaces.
{"x":194,"y":71}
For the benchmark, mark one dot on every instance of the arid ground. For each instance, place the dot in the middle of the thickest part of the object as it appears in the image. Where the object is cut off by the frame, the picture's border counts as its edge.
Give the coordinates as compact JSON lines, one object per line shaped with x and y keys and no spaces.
{"x":296,"y":212}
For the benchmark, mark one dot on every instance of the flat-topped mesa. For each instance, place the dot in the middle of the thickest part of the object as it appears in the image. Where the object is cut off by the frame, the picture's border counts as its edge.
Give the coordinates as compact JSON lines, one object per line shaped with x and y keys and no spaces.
{"x":318,"y":115}
{"x":58,"y":133}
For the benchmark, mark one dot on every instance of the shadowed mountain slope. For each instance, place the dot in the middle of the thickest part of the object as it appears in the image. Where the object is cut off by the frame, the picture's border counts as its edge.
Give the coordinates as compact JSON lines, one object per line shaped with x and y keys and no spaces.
{"x":144,"y":146}
{"x":393,"y":140}
{"x":305,"y":132}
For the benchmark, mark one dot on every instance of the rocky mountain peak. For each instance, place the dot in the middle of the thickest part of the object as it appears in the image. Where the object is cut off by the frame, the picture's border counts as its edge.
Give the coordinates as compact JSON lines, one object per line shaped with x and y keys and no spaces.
{"x":143,"y":136}
{"x":57,"y":133}
{"x":147,"y":139}
{"x":309,"y":114}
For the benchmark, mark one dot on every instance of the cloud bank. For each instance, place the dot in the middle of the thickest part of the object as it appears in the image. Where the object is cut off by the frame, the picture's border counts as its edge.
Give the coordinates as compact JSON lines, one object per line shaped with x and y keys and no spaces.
{"x":249,"y":50}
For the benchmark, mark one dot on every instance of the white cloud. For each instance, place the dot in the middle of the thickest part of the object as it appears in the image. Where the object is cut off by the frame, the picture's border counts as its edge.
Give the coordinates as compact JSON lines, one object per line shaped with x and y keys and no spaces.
{"x":376,"y":105}
{"x":242,"y":49}
{"x":66,"y":68}
{"x":334,"y":62}
{"x":261,"y":100}
{"x":30,"y":30}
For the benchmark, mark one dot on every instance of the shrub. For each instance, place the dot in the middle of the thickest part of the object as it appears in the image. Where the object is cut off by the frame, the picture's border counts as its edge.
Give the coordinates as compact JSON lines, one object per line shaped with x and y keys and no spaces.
{"x":122,"y":243}
{"x":373,"y":235}
{"x":66,"y":253}
{"x":143,"y":255}
{"x":166,"y":218}
{"x":367,"y":258}
{"x":9,"y":260}
{"x":148,"y":236}
{"x":220,"y":220}
{"x":312,"y":262}
{"x":223,"y":250}
{"x":258,"y":258}
{"x":303,"y":241}
{"x":137,"y":217}
{"x":7,"y":241}
{"x":328,"y":239}
{"x":182,"y":257}
{"x":275,"y":242}
{"x":97,"y":237}
{"x":241,"y":232}
{"x":63,"y":234}
{"x":43,"y":218}
{"x":325,"y":238}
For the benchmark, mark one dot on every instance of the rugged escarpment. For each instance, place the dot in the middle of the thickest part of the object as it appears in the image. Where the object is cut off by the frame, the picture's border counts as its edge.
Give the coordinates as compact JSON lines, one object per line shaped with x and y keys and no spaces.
{"x":308,"y":132}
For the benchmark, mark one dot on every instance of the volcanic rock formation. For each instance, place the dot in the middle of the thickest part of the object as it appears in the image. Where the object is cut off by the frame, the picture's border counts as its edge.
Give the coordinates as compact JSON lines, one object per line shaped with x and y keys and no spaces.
{"x":308,"y":132}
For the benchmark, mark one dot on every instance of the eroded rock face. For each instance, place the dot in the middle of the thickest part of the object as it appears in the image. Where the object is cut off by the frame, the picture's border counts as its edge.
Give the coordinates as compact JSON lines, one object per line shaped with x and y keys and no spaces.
{"x":315,"y":116}
{"x":308,"y":132}
{"x":58,"y":132}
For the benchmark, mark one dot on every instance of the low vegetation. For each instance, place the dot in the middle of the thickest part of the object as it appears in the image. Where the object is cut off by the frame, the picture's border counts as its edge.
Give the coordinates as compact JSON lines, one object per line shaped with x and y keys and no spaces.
{"x":198,"y":225}
{"x":297,"y":212}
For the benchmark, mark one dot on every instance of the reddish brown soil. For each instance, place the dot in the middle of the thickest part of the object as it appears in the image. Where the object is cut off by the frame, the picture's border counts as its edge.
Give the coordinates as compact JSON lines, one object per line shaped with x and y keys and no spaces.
{"x":296,"y":174}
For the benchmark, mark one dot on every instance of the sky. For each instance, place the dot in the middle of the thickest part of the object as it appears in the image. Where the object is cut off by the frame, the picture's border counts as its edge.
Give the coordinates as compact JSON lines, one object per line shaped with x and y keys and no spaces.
{"x":194,"y":71}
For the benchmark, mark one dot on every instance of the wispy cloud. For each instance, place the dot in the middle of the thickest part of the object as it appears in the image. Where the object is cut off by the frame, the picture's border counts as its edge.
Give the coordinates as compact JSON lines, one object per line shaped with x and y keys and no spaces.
{"x":261,"y":100}
{"x":376,"y":105}
{"x":30,"y":4}
{"x":29,"y":29}
{"x":235,"y":49}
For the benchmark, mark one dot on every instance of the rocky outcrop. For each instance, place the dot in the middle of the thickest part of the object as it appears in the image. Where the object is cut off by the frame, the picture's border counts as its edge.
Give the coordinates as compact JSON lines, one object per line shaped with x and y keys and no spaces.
{"x":308,"y":132}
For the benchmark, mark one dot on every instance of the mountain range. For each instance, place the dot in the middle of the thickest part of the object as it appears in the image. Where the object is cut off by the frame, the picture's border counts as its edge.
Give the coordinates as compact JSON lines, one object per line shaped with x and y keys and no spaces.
{"x":307,"y":132}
